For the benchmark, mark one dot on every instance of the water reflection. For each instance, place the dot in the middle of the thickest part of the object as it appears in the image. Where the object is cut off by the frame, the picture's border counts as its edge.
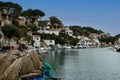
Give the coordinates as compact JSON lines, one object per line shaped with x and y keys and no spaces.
{"x":85,"y":64}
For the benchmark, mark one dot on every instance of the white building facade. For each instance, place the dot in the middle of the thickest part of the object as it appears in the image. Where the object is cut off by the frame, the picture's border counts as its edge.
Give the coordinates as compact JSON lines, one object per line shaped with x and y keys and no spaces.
{"x":36,"y":44}
{"x":49,"y":32}
{"x":84,"y":42}
{"x":50,"y":42}
{"x":68,"y":31}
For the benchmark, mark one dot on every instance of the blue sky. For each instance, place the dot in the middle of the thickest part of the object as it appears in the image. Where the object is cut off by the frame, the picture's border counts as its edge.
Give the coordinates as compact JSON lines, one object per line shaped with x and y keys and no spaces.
{"x":99,"y":14}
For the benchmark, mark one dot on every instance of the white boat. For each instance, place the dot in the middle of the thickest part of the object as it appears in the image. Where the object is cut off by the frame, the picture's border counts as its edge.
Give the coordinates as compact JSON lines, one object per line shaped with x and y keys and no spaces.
{"x":67,"y":46}
{"x":43,"y":49}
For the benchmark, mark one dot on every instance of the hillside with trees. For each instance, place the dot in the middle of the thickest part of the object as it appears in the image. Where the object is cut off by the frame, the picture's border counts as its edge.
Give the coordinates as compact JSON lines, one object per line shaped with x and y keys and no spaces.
{"x":33,"y":15}
{"x":78,"y":30}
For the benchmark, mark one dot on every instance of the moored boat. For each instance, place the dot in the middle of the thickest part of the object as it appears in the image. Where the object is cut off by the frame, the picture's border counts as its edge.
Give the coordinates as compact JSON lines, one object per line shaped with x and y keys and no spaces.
{"x":37,"y":77}
{"x":118,"y":50}
{"x":43,"y":74}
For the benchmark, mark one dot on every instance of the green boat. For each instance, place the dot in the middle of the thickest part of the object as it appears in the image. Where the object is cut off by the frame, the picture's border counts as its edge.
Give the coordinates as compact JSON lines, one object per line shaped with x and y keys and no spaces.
{"x":45,"y":73}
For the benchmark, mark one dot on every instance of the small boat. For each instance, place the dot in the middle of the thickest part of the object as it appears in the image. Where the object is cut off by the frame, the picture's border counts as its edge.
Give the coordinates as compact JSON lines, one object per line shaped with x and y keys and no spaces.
{"x":52,"y":79}
{"x":118,"y":50}
{"x":43,"y":74}
{"x":66,"y":46}
{"x":43,"y":49}
{"x":37,"y":77}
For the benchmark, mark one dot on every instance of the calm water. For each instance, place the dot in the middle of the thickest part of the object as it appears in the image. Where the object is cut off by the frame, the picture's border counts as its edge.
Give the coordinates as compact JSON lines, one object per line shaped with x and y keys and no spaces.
{"x":85,"y":64}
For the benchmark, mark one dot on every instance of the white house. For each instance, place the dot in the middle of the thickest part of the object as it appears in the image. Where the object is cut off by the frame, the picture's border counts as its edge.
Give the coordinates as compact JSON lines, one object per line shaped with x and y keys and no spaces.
{"x":1,"y":38}
{"x":118,"y":41}
{"x":68,"y":31}
{"x":50,"y":42}
{"x":84,"y":42}
{"x":56,"y":32}
{"x":5,"y":19}
{"x":47,"y":30}
{"x":36,"y":44}
{"x":96,"y":42}
{"x":21,"y":20}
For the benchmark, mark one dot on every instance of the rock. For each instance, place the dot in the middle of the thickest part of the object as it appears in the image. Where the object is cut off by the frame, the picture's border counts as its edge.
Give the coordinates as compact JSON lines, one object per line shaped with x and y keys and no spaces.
{"x":5,"y":62}
{"x":12,"y":66}
{"x":13,"y":71}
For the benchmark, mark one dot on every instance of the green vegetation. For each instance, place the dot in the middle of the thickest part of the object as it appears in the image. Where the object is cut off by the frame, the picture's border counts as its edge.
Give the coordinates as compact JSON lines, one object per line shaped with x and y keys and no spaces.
{"x":10,"y":8}
{"x":107,"y":40}
{"x":43,"y":24}
{"x":32,"y":27}
{"x":117,"y":36}
{"x":78,"y":30}
{"x":31,"y":15}
{"x":11,"y":31}
{"x":55,"y":22}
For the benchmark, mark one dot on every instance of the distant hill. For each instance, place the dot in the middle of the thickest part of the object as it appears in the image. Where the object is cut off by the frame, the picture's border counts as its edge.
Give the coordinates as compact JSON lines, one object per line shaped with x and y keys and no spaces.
{"x":78,"y":30}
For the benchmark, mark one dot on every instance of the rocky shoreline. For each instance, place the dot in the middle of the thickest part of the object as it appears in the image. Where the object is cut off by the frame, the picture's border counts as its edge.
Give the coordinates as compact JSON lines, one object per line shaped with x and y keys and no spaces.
{"x":15,"y":64}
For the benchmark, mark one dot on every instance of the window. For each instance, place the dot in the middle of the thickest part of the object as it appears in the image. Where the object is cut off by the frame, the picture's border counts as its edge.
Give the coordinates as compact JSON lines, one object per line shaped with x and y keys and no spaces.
{"x":0,"y":36}
{"x":50,"y":41}
{"x":37,"y":38}
{"x":0,"y":23}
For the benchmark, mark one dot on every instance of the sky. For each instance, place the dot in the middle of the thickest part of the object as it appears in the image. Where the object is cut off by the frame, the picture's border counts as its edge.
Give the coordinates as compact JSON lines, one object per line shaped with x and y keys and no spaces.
{"x":99,"y":14}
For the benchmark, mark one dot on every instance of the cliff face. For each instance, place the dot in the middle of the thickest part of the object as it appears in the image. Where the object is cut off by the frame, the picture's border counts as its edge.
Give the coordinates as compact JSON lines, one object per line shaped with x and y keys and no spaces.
{"x":12,"y":66}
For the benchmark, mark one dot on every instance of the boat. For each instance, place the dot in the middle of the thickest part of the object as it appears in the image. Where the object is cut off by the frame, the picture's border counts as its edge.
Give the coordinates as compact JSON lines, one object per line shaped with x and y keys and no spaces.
{"x":43,"y":49}
{"x":118,"y":50}
{"x":43,"y":74}
{"x":66,"y":46}
{"x":36,"y":77}
{"x":117,"y":47}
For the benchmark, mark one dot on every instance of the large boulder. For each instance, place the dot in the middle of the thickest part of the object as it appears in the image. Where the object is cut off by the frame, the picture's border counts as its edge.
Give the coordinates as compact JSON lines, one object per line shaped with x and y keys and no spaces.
{"x":13,"y":66}
{"x":35,"y":59}
{"x":12,"y":72}
{"x":5,"y":61}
